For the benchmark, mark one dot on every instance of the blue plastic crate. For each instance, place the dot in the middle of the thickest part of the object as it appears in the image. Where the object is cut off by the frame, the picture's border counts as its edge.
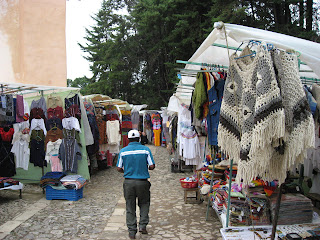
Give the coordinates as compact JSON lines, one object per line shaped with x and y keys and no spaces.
{"x":68,"y":194}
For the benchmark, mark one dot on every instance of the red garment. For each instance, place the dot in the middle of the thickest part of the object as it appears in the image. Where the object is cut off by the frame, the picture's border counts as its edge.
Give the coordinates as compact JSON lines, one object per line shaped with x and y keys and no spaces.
{"x":6,"y":135}
{"x":125,"y":140}
{"x":37,"y":113}
{"x":126,"y":126}
{"x":55,"y":112}
{"x":109,"y":159}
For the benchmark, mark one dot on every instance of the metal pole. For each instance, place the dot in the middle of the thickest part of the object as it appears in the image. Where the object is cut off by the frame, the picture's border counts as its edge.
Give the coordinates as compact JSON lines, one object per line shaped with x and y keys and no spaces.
{"x":44,"y":160}
{"x":229,"y":192}
{"x":211,"y":181}
{"x":276,"y":215}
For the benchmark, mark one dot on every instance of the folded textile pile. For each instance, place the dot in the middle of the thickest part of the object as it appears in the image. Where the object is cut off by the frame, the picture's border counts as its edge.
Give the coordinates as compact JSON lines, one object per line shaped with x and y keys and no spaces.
{"x":51,"y":179}
{"x":295,"y":208}
{"x":73,"y":181}
{"x":7,"y":182}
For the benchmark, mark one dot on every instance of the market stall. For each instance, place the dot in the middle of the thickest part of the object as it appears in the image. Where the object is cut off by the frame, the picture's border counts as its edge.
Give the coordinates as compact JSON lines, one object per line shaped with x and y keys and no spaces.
{"x":225,"y":85}
{"x":36,"y":117}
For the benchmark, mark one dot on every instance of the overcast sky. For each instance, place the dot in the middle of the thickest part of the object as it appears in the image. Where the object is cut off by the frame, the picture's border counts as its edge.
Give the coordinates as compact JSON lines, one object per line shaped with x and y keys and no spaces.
{"x":77,"y":19}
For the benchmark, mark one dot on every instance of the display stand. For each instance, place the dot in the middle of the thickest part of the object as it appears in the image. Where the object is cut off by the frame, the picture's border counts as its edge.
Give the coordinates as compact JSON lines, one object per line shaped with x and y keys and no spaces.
{"x":15,"y":187}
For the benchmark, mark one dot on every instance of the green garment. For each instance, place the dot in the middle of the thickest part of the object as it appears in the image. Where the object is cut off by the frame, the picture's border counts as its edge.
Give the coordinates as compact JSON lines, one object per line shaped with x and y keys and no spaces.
{"x":199,"y":96}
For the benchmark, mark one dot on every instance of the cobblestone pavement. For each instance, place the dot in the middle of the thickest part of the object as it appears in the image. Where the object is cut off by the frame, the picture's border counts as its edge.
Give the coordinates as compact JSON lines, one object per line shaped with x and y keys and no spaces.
{"x":100,"y":214}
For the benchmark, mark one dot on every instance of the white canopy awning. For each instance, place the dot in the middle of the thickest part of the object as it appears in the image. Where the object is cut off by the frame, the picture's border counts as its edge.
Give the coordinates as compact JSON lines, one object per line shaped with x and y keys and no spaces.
{"x":210,"y":53}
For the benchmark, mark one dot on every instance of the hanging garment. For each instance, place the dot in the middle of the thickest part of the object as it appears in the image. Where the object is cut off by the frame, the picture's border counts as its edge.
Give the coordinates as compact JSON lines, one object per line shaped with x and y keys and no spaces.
{"x":190,"y":147}
{"x":102,"y":126}
{"x":70,"y":123}
{"x":69,"y":154}
{"x":7,"y":109}
{"x":54,"y":101}
{"x":85,"y":125}
{"x":135,"y":119}
{"x":19,"y":109}
{"x":71,"y":134}
{"x":199,"y":96}
{"x":37,"y":113}
{"x":253,"y":128}
{"x":113,"y":132}
{"x":37,"y":152}
{"x":157,"y":137}
{"x":38,"y":124}
{"x":56,"y":112}
{"x":7,"y":163}
{"x":21,"y":150}
{"x":93,"y":148}
{"x":53,"y":135}
{"x":54,"y":123}
{"x":215,"y":95}
{"x":52,"y":155}
{"x":40,"y":103}
{"x":72,"y":107}
{"x":6,"y":133}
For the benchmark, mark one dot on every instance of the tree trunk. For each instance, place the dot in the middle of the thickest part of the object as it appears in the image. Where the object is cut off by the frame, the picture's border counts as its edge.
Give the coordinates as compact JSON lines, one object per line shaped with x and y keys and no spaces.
{"x":309,"y":15}
{"x":277,"y":14}
{"x":301,"y":13}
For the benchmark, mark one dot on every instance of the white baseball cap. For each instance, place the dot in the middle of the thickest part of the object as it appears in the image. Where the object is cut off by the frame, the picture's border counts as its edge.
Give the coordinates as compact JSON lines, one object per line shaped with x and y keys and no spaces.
{"x":133,"y":134}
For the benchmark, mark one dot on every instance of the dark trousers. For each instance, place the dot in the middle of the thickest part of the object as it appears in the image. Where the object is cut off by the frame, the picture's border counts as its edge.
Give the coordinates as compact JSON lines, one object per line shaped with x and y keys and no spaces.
{"x":132,"y":190}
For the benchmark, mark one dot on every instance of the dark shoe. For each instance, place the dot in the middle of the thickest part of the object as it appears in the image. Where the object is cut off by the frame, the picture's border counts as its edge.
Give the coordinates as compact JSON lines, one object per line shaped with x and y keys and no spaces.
{"x":132,"y":236}
{"x":143,"y":230}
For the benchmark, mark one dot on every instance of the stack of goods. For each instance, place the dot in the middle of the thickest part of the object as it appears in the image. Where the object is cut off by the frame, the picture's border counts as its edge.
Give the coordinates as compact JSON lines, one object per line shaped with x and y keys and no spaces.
{"x":218,"y":200}
{"x":73,"y":181}
{"x":58,"y":185}
{"x":259,"y":211}
{"x":7,"y":182}
{"x":295,"y":208}
{"x":51,"y":179}
{"x":234,"y":173}
{"x":219,"y":171}
{"x":239,"y":210}
{"x":126,"y":126}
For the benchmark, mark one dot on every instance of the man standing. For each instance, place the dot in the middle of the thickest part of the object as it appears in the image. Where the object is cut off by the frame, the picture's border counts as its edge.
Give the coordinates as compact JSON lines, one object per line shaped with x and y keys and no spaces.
{"x":134,"y":161}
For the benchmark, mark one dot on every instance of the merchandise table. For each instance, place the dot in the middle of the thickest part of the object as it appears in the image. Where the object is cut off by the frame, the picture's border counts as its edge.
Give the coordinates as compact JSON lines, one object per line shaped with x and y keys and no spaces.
{"x":15,"y":187}
{"x":306,"y":230}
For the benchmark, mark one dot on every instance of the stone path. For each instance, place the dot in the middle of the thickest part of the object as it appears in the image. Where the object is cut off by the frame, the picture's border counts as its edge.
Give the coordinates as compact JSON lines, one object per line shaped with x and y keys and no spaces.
{"x":100,"y":214}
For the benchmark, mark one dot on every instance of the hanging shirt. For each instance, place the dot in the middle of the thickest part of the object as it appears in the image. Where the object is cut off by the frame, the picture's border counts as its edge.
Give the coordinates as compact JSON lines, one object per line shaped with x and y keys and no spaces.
{"x":70,"y":123}
{"x":38,"y":124}
{"x":54,"y":101}
{"x":52,"y":149}
{"x":69,"y":154}
{"x":37,"y":113}
{"x":21,"y":150}
{"x":189,"y":146}
{"x":40,"y":103}
{"x":53,"y":135}
{"x":54,"y":122}
{"x":113,"y":132}
{"x":55,"y":112}
{"x":37,"y":153}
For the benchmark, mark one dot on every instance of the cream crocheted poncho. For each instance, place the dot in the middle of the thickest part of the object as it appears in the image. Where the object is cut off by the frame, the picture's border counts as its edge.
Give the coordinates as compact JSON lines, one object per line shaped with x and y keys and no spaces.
{"x":265,"y":122}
